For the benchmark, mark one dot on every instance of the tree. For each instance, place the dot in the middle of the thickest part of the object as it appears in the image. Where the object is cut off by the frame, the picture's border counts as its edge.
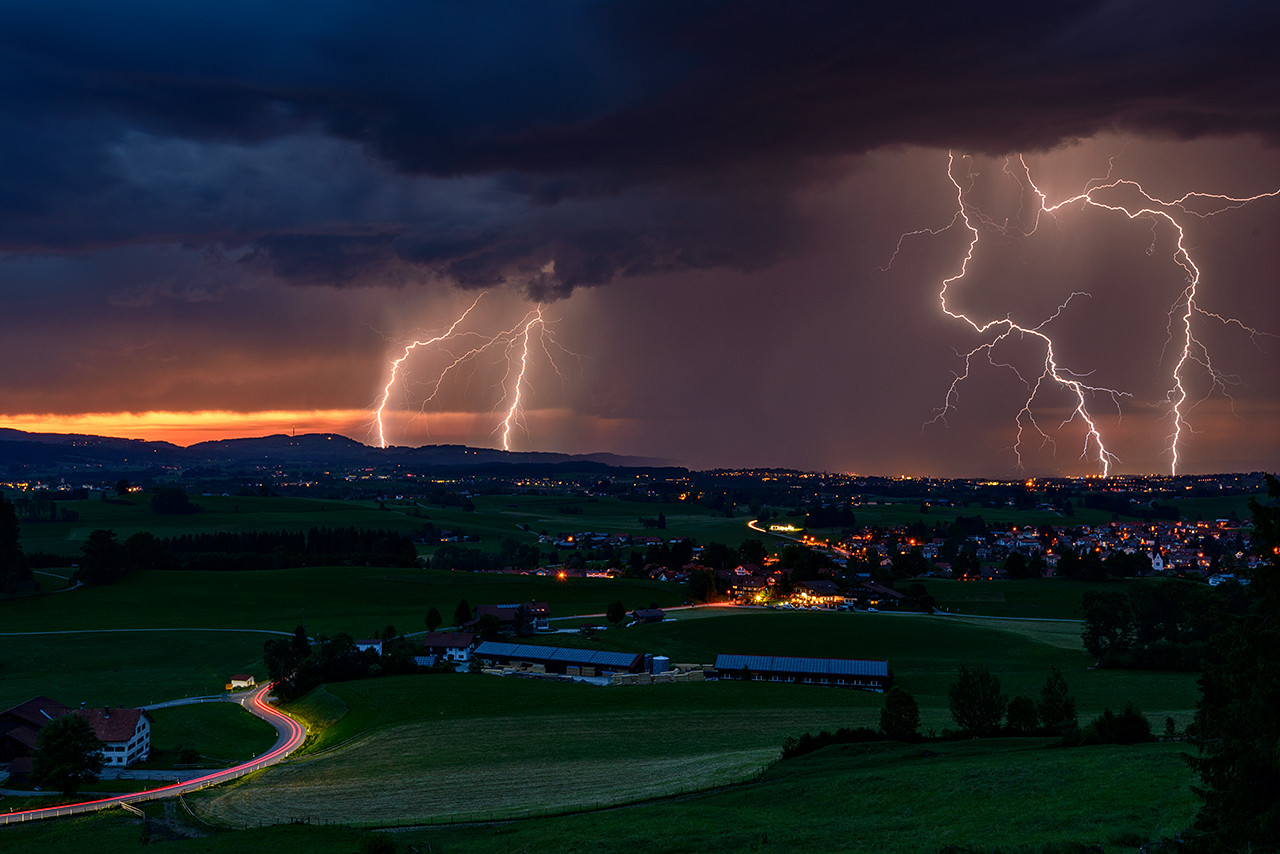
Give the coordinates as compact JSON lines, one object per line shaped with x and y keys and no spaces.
{"x":1022,"y":717}
{"x":301,"y":643}
{"x":1016,"y":567}
{"x":122,"y":486}
{"x":1108,"y":624}
{"x":662,"y":522}
{"x":104,"y":558}
{"x":524,"y":622}
{"x":68,"y":754}
{"x":173,"y":501}
{"x":900,"y":717}
{"x":462,"y":614}
{"x":1057,"y":708}
{"x":752,"y":551}
{"x":433,"y":619}
{"x":977,"y":705}
{"x":488,"y":626}
{"x":14,"y":572}
{"x":615,"y":612}
{"x":1236,"y":720}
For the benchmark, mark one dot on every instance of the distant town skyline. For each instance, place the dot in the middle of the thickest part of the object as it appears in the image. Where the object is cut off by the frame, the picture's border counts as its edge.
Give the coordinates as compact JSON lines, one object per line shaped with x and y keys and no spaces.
{"x":220,"y":224}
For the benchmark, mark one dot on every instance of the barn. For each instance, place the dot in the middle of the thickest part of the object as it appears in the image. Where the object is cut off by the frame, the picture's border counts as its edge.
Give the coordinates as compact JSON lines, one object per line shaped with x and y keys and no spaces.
{"x":557,"y":659}
{"x":849,"y":672}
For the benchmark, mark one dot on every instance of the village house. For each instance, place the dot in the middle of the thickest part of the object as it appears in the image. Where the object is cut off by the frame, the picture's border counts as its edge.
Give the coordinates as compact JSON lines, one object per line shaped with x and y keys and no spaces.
{"x":125,"y":733}
{"x":454,"y":647}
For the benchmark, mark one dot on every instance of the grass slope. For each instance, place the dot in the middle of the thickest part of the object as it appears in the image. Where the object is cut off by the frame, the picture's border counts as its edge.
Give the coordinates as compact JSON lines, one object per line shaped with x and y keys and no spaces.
{"x":1009,"y":795}
{"x":223,"y":734}
{"x":356,"y":600}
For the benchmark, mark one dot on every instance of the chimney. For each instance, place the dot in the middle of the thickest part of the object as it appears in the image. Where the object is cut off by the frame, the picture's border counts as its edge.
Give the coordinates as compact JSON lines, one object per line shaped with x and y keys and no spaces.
{"x":106,"y":711}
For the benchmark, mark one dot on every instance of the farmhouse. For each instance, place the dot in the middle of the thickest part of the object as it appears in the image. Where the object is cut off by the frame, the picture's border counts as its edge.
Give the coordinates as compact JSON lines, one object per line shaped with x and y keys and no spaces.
{"x":850,"y":672}
{"x":448,"y":646}
{"x":240,"y":681}
{"x":557,"y":659}
{"x":125,"y":733}
{"x":649,"y":615}
{"x":20,"y":725}
{"x":506,"y":614}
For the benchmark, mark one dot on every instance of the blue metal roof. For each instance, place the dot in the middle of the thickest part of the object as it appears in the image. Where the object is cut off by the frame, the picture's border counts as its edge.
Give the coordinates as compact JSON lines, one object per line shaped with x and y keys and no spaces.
{"x":811,"y":666}
{"x":560,"y":654}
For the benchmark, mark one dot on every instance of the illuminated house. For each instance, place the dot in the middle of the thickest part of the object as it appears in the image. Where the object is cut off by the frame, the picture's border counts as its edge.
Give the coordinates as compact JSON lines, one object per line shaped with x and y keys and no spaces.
{"x":847,"y":672}
{"x":506,"y":614}
{"x":826,"y":593}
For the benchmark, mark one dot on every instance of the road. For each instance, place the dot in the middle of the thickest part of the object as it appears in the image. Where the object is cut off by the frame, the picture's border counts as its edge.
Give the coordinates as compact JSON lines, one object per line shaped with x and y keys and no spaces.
{"x":289,"y":737}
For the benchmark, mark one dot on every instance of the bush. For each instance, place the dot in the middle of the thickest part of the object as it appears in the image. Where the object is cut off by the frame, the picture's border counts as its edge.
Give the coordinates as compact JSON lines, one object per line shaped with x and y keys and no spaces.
{"x":1128,"y":727}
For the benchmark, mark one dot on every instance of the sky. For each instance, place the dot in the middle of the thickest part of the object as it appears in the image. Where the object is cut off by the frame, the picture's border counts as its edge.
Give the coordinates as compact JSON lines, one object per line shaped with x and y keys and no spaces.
{"x":721,"y":234}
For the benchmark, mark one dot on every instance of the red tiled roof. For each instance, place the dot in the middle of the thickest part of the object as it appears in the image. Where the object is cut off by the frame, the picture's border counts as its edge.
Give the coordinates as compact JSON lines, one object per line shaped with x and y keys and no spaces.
{"x":112,"y":725}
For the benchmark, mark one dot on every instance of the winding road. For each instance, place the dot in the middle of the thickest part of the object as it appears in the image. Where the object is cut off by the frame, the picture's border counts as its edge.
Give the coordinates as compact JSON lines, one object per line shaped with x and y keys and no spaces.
{"x":289,"y":737}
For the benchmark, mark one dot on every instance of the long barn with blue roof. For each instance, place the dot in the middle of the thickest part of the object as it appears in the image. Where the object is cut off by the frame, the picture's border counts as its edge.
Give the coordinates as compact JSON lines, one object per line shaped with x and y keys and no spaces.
{"x":557,"y":658}
{"x":849,"y":672}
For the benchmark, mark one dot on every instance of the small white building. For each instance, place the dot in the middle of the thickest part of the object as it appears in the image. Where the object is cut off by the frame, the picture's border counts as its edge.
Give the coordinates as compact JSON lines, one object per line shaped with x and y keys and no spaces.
{"x":369,"y":643}
{"x":241,"y":681}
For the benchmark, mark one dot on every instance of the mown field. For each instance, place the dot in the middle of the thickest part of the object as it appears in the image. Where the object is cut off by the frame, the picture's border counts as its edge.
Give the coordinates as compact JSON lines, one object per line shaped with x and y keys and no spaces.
{"x":1010,"y":795}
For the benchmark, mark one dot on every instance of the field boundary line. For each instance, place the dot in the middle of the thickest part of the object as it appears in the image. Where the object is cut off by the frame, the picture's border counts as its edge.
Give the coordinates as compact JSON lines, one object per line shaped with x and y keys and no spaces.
{"x":118,"y":631}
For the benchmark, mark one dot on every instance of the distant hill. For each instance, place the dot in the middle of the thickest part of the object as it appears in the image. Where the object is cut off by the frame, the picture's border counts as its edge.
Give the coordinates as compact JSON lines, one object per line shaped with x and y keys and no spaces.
{"x":19,"y":448}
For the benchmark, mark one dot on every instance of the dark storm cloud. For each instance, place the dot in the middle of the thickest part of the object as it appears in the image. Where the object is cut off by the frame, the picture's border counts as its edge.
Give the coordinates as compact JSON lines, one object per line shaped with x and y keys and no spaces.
{"x":615,"y":139}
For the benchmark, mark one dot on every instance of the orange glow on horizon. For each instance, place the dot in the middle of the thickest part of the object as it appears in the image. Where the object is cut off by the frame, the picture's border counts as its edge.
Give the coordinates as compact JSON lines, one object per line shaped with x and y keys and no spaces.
{"x":188,"y":428}
{"x":475,"y":429}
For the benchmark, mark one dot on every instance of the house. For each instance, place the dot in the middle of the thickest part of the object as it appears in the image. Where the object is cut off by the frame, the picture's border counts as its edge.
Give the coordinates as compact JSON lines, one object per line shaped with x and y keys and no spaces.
{"x":241,"y":681}
{"x":649,"y":615}
{"x":849,"y":672}
{"x":816,"y":592}
{"x":125,"y":733}
{"x":448,"y":646}
{"x":506,"y":614}
{"x":369,"y":643}
{"x":20,"y":725}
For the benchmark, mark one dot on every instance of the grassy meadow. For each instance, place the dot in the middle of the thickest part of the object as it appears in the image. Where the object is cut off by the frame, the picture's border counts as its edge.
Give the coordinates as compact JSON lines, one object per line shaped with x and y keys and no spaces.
{"x":1006,"y":795}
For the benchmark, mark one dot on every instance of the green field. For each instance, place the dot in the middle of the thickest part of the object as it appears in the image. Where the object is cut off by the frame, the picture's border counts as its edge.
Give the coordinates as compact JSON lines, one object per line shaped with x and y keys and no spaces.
{"x":356,"y":600}
{"x":1010,"y":795}
{"x":223,"y":734}
{"x":494,"y":519}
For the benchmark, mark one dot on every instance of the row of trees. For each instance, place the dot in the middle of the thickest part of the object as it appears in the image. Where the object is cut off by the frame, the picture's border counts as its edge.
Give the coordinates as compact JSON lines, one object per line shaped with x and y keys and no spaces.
{"x":297,"y":665}
{"x":106,"y":559}
{"x":1165,"y":626}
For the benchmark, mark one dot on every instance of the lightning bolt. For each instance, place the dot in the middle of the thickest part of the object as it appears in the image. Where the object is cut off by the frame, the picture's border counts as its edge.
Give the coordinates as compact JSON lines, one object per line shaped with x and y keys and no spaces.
{"x":514,"y":344}
{"x":1181,"y":313}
